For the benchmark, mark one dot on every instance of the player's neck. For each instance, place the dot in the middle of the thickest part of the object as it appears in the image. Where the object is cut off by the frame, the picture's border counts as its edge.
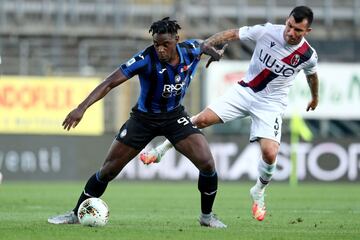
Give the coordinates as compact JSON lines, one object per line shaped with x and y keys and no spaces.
{"x":175,"y":60}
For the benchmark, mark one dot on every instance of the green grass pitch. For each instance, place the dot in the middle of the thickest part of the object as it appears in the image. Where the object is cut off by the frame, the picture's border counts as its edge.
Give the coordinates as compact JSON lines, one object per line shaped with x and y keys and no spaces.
{"x":169,"y":210}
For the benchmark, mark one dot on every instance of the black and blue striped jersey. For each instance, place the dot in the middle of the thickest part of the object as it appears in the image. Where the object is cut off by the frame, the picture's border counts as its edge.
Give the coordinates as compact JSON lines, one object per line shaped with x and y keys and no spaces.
{"x":163,"y":86}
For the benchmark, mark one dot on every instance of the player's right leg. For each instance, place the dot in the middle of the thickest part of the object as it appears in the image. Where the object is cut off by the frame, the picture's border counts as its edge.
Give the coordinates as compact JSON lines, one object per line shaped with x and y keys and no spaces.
{"x":119,"y":155}
{"x":66,"y":218}
{"x":196,"y":148}
{"x":205,"y":118}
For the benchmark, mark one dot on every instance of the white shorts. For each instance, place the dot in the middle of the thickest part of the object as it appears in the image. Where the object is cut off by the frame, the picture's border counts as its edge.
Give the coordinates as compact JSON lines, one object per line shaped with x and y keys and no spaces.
{"x":240,"y":102}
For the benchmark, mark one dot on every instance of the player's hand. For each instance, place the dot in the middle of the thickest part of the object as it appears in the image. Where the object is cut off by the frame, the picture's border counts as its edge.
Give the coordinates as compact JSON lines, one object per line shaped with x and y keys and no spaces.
{"x":73,"y":118}
{"x":312,"y":104}
{"x":221,"y":54}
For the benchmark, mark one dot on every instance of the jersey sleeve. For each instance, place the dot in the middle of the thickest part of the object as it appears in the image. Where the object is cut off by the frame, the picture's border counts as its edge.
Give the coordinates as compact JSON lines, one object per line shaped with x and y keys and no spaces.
{"x":194,"y":46}
{"x":252,"y":33}
{"x":311,"y":68}
{"x":135,"y":65}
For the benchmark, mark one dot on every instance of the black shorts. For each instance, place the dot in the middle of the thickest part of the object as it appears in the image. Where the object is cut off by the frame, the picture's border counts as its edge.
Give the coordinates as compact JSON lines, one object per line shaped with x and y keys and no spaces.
{"x":142,"y":127}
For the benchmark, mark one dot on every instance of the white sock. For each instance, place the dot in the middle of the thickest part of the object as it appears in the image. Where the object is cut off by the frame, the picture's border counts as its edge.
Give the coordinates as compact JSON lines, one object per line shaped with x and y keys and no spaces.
{"x":206,"y":216}
{"x":164,"y":147}
{"x":266,"y":171}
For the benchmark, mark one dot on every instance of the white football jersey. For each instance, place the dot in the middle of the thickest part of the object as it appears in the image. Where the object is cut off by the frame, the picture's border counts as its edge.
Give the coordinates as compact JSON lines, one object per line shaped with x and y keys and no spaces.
{"x":275,"y":63}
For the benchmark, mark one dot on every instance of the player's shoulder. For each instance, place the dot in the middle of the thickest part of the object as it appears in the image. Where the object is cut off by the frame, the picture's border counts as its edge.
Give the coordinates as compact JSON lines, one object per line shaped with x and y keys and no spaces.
{"x":309,"y":46}
{"x":190,"y":43}
{"x":148,"y":51}
{"x":308,"y":43}
{"x":267,"y":29}
{"x":273,"y":28}
{"x":269,"y":25}
{"x":146,"y":55}
{"x":140,"y":59}
{"x":314,"y":55}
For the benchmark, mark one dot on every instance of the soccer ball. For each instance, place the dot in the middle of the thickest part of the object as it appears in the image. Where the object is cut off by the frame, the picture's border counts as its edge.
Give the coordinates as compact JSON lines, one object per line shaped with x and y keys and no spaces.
{"x":93,"y":212}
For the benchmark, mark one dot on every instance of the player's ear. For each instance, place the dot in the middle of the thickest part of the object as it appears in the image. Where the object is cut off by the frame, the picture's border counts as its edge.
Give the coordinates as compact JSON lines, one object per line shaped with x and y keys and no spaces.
{"x":177,"y":37}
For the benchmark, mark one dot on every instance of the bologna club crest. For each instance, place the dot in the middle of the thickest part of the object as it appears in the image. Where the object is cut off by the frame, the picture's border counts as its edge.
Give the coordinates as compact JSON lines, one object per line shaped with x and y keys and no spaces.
{"x":295,"y":60}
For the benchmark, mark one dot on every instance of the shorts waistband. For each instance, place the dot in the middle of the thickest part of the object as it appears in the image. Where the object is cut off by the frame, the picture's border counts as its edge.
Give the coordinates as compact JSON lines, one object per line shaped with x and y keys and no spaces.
{"x":165,"y":115}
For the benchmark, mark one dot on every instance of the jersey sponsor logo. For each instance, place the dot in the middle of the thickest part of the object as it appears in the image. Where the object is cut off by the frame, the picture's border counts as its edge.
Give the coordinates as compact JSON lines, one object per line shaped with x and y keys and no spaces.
{"x":274,"y":65}
{"x":170,"y":90}
{"x":272,"y":44}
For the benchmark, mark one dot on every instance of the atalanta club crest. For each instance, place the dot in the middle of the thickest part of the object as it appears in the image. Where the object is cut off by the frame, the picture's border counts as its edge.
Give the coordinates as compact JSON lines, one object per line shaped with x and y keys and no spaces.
{"x":177,"y":78}
{"x":123,"y":133}
{"x":295,"y":60}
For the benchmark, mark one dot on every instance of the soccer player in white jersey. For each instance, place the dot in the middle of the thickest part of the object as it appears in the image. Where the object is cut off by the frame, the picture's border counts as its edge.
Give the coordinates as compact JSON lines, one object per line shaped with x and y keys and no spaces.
{"x":281,"y":52}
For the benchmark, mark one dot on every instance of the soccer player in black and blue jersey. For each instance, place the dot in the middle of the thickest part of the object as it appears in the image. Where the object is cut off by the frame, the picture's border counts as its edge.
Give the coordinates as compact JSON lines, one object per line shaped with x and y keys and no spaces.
{"x":165,"y":70}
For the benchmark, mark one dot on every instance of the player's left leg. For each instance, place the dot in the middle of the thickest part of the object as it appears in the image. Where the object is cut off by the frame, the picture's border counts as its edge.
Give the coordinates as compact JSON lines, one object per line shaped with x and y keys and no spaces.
{"x":132,"y":137}
{"x":119,"y":155}
{"x":266,"y":168}
{"x":196,"y":148}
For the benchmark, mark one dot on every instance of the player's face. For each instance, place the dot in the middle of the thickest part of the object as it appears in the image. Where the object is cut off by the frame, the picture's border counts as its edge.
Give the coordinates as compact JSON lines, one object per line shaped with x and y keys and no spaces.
{"x":165,"y":46}
{"x":294,"y":31}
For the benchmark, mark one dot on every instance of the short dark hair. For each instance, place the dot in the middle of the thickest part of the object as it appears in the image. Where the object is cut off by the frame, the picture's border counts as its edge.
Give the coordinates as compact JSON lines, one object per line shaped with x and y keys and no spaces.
{"x":302,"y":12}
{"x":164,"y":25}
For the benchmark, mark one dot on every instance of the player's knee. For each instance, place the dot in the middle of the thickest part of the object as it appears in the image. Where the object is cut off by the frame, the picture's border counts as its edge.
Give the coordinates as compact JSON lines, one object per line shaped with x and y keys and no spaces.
{"x":205,"y":161}
{"x":201,"y":121}
{"x":207,"y":165}
{"x":269,"y":155}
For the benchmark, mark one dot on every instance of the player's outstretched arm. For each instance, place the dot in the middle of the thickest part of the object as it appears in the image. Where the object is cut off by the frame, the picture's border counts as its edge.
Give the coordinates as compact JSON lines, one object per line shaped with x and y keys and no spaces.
{"x":221,"y":52}
{"x":221,"y":38}
{"x":75,"y":116}
{"x":313,"y":82}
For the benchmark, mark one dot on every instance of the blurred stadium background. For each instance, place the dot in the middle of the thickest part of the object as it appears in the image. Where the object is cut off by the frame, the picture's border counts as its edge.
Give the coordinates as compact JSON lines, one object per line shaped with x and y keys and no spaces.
{"x":53,"y":52}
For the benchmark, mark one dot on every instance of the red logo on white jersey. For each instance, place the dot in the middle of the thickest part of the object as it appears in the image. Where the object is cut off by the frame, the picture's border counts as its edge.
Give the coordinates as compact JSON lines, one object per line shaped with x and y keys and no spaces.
{"x":295,"y":60}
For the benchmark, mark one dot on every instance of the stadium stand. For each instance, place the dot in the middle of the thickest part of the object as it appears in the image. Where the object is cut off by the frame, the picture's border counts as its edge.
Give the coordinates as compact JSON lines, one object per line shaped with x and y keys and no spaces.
{"x":91,"y":37}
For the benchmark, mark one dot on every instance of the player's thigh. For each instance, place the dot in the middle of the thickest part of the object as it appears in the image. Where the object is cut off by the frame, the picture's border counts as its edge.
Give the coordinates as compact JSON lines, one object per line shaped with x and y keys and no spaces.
{"x":119,"y":155}
{"x":189,"y":141}
{"x":266,"y":124}
{"x":133,"y":136}
{"x":235,"y":103}
{"x":196,"y":148}
{"x":205,"y":118}
{"x":136,"y":133}
{"x":178,"y":128}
